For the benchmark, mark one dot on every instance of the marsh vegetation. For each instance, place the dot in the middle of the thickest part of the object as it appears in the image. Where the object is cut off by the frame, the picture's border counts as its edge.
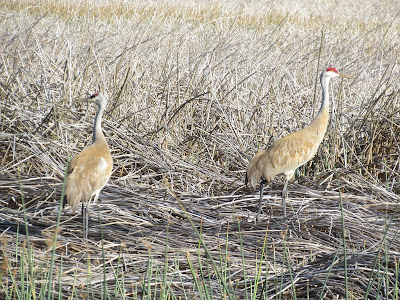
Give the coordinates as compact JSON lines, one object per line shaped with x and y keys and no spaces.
{"x":196,"y":89}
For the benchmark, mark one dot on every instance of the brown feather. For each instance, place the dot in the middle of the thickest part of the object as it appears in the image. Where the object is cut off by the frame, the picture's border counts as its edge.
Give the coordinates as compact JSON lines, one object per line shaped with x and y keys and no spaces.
{"x":288,"y":153}
{"x":89,"y":172}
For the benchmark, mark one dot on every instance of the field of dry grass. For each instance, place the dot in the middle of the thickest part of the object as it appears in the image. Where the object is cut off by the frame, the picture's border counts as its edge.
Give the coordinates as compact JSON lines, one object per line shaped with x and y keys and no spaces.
{"x":196,"y":89}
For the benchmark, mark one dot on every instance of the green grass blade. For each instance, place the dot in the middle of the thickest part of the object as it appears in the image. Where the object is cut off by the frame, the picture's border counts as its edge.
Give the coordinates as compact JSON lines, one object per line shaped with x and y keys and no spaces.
{"x":343,"y":240}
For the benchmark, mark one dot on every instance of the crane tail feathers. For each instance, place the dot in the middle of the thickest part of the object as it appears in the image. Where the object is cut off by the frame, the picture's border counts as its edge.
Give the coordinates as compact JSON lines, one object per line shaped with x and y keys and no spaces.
{"x":75,"y":193}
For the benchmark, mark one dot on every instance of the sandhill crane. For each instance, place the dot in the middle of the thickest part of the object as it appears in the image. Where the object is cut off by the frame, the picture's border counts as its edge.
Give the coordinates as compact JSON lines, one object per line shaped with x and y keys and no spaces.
{"x":293,"y":150}
{"x":89,"y":170}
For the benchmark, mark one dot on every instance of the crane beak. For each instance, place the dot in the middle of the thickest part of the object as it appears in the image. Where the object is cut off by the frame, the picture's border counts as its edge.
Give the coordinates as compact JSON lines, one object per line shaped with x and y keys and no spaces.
{"x":346,"y":76}
{"x":87,"y":99}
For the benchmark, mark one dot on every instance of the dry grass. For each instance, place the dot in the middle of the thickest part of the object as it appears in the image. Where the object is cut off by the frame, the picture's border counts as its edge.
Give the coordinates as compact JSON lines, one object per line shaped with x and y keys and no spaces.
{"x":195,"y":90}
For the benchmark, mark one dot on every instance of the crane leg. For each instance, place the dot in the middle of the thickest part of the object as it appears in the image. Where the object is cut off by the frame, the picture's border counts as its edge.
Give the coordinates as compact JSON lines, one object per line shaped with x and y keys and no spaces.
{"x":261,"y":198}
{"x":284,"y":196}
{"x":85,"y":221}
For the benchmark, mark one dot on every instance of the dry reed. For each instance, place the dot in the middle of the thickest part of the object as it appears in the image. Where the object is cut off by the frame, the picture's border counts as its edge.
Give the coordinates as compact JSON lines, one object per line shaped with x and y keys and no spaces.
{"x":195,"y":91}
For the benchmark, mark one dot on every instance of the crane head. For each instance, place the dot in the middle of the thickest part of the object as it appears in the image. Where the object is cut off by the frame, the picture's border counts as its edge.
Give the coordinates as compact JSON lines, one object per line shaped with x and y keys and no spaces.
{"x":98,"y":98}
{"x":332,"y":72}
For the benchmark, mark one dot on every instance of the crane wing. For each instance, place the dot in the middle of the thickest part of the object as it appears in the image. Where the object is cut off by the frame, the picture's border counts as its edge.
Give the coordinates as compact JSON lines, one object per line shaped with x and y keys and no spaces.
{"x":89,"y":172}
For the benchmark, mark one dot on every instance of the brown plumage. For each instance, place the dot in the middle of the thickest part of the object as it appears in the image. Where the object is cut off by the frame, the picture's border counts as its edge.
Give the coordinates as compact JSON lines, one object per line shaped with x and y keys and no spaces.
{"x":89,"y":170}
{"x":291,"y":151}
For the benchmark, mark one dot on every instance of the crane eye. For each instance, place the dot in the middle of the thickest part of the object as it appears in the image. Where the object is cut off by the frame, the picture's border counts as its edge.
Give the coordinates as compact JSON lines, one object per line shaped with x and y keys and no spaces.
{"x":94,"y":95}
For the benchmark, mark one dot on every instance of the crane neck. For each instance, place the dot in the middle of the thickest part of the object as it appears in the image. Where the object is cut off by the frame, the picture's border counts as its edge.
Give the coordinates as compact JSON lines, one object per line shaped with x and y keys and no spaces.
{"x":325,"y":95}
{"x":98,"y":135}
{"x":320,"y":122}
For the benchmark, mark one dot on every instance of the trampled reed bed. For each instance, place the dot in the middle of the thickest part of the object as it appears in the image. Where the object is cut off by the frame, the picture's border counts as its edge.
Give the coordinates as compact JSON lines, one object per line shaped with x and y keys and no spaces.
{"x":195,"y":90}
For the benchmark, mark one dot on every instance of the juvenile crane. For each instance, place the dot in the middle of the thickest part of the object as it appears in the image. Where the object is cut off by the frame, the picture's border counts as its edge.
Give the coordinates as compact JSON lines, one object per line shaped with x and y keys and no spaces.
{"x":89,"y":170}
{"x":293,"y":150}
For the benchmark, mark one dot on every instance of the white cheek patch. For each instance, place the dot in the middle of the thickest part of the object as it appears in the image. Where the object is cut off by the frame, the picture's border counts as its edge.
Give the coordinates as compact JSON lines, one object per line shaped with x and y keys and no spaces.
{"x":102,"y":166}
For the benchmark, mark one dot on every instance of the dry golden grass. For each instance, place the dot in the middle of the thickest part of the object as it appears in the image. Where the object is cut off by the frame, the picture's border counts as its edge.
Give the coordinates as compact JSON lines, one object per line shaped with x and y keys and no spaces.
{"x":196,"y":88}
